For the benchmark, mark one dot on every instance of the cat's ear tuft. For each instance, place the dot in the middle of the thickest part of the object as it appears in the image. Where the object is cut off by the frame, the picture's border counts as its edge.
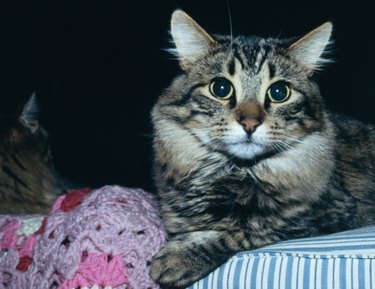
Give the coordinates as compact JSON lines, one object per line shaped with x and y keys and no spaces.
{"x":191,"y":41}
{"x":30,"y":114}
{"x":310,"y":49}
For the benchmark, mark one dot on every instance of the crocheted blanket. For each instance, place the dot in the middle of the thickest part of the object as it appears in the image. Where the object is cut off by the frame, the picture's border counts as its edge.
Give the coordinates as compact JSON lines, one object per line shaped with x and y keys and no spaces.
{"x":99,"y":239}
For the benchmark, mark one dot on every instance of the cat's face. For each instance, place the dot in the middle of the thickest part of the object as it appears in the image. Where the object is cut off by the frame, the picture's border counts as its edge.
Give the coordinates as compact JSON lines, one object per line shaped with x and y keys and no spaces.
{"x":246,"y":97}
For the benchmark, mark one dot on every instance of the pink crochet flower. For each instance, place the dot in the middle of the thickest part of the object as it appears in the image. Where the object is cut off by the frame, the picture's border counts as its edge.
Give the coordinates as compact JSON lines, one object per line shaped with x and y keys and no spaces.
{"x":105,"y":238}
{"x":28,"y":246}
{"x":9,"y":239}
{"x":98,"y":270}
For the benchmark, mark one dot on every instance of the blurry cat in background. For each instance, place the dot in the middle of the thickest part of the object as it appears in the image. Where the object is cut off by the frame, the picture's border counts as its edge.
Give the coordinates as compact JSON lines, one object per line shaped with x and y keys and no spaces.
{"x":28,"y":180}
{"x":247,"y":154}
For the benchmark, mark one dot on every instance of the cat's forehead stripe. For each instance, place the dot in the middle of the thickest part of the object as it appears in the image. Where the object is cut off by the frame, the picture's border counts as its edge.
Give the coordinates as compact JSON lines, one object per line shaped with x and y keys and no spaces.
{"x":232,"y":66}
{"x":262,"y":56}
{"x":238,"y":56}
{"x":271,"y":70}
{"x":252,"y":56}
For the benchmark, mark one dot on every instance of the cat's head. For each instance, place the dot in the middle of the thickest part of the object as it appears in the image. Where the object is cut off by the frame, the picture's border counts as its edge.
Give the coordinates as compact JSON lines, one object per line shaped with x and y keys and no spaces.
{"x":22,"y":132}
{"x":28,"y":181}
{"x":246,"y":97}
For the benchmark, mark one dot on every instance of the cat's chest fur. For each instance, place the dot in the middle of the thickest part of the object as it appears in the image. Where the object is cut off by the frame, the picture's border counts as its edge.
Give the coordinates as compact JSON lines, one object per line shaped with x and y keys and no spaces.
{"x":299,"y":192}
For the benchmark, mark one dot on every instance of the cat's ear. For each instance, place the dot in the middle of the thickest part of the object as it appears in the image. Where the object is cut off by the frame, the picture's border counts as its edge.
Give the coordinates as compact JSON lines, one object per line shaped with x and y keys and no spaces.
{"x":309,"y":50}
{"x":191,"y":40}
{"x":30,"y":114}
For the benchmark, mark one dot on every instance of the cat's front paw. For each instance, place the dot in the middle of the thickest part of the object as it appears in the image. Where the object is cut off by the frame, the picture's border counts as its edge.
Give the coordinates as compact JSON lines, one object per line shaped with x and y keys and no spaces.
{"x":174,"y":267}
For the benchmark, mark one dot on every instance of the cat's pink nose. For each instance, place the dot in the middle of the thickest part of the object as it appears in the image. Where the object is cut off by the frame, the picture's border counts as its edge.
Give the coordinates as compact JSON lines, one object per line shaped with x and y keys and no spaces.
{"x":249,"y":124}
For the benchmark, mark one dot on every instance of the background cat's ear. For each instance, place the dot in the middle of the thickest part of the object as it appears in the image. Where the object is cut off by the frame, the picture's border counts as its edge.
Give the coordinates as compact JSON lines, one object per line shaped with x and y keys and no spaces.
{"x":190,"y":39}
{"x":309,"y":50}
{"x":30,"y":114}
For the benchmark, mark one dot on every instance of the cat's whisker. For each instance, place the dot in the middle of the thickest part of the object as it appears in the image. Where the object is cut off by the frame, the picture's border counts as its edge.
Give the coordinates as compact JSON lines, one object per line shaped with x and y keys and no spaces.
{"x":281,"y":32}
{"x":283,"y":145}
{"x":277,"y":147}
{"x":150,"y":135}
{"x":230,"y":27}
{"x":293,"y":139}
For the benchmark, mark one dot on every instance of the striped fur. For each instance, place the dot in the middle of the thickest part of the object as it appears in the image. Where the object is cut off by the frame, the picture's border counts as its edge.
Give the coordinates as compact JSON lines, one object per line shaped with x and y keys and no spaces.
{"x":28,"y":181}
{"x":302,"y":171}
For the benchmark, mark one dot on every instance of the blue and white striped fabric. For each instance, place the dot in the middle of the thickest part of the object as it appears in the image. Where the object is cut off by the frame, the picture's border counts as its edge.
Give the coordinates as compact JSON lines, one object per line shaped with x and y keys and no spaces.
{"x":339,"y":261}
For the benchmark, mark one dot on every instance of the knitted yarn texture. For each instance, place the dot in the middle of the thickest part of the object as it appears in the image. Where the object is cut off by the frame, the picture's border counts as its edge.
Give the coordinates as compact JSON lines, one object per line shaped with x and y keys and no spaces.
{"x":100,"y":239}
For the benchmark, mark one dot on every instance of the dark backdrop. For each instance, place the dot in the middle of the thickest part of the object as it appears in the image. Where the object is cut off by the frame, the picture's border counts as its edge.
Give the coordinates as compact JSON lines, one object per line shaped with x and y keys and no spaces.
{"x":98,"y":67}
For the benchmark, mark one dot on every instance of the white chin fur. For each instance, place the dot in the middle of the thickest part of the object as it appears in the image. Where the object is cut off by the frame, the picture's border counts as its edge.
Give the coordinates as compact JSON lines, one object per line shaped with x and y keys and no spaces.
{"x":245,"y":150}
{"x":239,"y":147}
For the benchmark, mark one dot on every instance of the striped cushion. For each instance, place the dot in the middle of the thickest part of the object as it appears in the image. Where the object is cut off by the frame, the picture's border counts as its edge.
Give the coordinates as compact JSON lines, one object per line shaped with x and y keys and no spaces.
{"x":338,"y":261}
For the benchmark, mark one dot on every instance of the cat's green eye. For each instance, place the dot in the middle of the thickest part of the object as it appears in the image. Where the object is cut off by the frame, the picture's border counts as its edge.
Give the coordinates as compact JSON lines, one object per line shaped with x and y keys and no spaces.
{"x":221,"y":88}
{"x":278,"y":92}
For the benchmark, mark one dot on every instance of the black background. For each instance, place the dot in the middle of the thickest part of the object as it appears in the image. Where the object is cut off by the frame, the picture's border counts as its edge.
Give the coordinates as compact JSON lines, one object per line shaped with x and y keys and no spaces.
{"x":98,"y":67}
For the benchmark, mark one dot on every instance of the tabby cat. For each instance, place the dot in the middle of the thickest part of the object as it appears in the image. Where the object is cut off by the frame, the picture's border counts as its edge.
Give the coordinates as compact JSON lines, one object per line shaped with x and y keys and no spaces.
{"x":246,"y":153}
{"x":28,"y":181}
